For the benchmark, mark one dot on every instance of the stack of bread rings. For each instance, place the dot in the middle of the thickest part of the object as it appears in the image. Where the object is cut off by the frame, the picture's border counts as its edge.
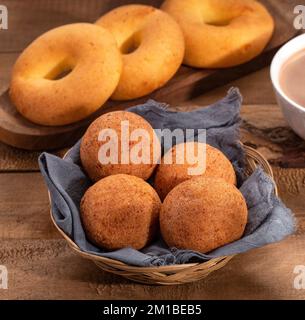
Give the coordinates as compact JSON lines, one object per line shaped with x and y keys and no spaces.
{"x":200,"y":210}
{"x":69,"y":72}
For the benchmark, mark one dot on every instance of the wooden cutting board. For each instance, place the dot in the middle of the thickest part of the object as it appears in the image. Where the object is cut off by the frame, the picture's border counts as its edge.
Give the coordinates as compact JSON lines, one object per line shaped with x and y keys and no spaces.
{"x":188,"y":83}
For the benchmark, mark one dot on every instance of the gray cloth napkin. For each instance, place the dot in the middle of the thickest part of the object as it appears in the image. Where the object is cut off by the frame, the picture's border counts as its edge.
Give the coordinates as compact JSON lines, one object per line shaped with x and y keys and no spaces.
{"x":268,"y":218}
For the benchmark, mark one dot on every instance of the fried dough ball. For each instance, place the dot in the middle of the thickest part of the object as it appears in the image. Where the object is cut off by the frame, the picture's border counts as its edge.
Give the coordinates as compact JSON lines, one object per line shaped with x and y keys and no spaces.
{"x":203,"y":214}
{"x":120,"y":211}
{"x":170,"y":175}
{"x":115,"y":122}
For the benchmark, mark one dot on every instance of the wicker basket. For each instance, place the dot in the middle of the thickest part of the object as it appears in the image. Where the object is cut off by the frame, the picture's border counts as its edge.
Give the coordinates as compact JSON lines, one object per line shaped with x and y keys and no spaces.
{"x":173,"y":274}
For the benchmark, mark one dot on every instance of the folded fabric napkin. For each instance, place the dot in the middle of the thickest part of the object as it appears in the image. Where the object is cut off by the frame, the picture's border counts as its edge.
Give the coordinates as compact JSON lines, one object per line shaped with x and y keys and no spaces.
{"x":268,"y":218}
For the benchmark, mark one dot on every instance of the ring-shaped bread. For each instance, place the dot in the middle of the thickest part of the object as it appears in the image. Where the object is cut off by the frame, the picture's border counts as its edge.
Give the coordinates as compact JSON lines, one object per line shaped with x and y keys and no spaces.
{"x":152,"y":45}
{"x":221,"y":33}
{"x":90,"y":55}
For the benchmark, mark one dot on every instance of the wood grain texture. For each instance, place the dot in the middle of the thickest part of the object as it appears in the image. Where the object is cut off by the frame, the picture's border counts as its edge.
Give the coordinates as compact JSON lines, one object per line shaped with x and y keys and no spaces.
{"x":49,"y":270}
{"x":264,"y":128}
{"x":41,"y":265}
{"x":24,"y":208}
{"x":7,"y":61}
{"x":256,"y":88}
{"x":29,"y":19}
{"x":17,"y":160}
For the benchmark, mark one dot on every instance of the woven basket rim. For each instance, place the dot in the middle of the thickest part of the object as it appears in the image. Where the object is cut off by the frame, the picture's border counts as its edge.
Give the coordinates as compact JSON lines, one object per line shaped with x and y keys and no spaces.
{"x":249,"y":151}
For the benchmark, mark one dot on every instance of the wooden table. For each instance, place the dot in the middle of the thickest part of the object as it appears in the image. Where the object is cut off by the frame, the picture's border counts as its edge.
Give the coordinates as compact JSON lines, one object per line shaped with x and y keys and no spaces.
{"x":39,"y":262}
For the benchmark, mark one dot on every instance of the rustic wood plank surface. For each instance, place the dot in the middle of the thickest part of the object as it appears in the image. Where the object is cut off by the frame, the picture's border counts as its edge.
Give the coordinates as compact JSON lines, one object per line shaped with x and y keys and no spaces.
{"x":29,"y":19}
{"x":40,"y":264}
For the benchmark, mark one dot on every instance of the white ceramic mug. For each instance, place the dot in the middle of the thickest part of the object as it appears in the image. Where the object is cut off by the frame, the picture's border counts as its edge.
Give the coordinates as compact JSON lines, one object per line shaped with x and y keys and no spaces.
{"x":293,"y":112}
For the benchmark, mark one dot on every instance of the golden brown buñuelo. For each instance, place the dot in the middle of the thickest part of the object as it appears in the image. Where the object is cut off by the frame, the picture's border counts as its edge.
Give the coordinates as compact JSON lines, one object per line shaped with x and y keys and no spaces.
{"x":120,"y":211}
{"x":176,"y":164}
{"x":203,"y":214}
{"x":94,"y":139}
